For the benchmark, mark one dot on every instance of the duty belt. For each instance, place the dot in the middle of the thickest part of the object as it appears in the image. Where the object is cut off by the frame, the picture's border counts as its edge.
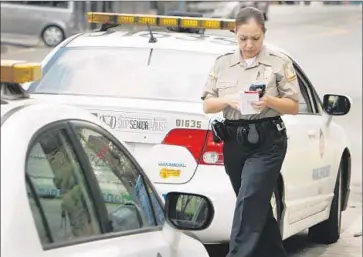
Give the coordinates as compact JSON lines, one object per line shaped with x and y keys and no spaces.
{"x":253,"y":132}
{"x":246,"y":122}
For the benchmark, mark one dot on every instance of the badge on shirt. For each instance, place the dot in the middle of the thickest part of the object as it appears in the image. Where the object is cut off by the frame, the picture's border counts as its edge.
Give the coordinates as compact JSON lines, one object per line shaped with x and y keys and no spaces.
{"x":290,"y":72}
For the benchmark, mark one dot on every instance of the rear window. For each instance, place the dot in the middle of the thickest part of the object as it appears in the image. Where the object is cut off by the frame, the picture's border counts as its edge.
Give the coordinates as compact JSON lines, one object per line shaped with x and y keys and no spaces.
{"x":127,"y":72}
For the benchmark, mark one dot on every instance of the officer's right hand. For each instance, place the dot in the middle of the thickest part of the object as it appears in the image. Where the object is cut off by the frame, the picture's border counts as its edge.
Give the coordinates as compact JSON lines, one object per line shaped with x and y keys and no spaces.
{"x":233,"y":102}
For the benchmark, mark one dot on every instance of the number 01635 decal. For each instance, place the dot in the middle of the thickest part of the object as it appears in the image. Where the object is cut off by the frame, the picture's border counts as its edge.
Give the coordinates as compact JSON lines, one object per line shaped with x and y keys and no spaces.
{"x":188,"y":123}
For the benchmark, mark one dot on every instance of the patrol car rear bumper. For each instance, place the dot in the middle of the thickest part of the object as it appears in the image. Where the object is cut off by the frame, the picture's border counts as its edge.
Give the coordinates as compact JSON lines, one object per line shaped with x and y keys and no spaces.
{"x":213,"y":182}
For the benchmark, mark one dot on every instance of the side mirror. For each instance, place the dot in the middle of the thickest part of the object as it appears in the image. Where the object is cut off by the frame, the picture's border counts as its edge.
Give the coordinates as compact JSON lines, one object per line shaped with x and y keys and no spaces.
{"x":336,"y":105}
{"x":185,"y":211}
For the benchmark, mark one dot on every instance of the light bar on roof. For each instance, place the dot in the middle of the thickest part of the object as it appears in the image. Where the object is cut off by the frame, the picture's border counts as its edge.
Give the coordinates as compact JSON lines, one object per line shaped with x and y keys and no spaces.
{"x":159,"y":20}
{"x":20,"y":71}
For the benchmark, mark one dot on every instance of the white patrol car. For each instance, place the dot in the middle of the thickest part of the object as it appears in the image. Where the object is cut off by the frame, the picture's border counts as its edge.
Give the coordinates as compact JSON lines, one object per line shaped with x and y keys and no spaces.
{"x":146,"y":86}
{"x":69,"y":188}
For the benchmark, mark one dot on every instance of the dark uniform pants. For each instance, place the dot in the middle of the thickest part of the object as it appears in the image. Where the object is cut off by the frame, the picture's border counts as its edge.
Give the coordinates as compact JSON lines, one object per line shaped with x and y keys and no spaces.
{"x":253,"y":172}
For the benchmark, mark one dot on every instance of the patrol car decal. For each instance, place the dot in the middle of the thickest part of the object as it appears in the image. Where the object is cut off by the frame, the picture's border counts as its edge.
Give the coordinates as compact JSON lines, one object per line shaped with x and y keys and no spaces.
{"x":133,"y":122}
{"x":172,"y":164}
{"x":321,"y":172}
{"x":167,"y":173}
{"x":171,"y":169}
{"x":188,"y":123}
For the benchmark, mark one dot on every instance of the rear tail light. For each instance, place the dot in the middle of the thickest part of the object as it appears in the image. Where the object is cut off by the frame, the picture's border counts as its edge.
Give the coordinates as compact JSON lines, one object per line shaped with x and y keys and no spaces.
{"x":199,"y":143}
{"x":212,"y":152}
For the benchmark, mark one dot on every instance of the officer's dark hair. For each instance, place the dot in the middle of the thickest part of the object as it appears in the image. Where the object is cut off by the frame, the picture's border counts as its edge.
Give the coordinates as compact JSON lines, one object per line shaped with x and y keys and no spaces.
{"x":247,"y":13}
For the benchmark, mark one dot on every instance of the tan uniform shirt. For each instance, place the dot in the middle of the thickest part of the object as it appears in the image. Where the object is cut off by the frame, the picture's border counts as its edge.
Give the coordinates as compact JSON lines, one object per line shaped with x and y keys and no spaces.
{"x":230,"y":75}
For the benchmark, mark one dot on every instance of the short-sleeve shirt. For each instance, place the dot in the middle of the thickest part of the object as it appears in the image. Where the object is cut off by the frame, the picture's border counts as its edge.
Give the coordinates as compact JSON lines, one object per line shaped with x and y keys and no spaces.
{"x":230,"y":75}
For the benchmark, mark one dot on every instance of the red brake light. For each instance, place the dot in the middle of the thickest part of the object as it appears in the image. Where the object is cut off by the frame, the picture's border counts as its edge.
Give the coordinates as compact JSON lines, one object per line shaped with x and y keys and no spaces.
{"x":199,"y":143}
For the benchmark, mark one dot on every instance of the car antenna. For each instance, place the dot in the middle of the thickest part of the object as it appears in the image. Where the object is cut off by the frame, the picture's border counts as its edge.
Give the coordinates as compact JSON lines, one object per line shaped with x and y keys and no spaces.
{"x":152,"y":38}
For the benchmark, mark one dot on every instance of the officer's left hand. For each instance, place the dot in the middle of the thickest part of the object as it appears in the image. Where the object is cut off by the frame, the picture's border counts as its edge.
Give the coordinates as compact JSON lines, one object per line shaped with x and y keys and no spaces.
{"x":259,"y":105}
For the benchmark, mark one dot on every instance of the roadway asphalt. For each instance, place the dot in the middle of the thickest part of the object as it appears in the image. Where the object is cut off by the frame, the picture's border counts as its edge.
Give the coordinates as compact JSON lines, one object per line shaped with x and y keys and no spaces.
{"x":327,"y":43}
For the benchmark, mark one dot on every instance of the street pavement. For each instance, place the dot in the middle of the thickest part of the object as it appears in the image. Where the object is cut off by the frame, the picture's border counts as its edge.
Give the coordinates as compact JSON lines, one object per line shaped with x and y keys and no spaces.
{"x":327,"y":43}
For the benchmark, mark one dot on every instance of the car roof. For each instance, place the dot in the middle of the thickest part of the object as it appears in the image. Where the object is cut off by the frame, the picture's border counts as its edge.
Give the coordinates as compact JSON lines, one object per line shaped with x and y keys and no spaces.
{"x":202,"y":43}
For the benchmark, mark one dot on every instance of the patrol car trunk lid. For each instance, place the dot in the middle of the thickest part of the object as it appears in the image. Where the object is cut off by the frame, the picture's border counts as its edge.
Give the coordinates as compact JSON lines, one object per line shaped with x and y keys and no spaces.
{"x":167,"y":142}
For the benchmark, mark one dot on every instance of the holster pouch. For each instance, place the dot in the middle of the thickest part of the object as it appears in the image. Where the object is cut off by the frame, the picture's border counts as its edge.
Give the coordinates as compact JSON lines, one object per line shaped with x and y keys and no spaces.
{"x":248,"y":134}
{"x":251,"y":132}
{"x":253,"y":136}
{"x":219,"y":130}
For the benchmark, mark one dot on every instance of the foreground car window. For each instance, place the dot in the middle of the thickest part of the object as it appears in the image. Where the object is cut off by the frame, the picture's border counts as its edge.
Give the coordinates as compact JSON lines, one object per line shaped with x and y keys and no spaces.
{"x":127,"y":72}
{"x":56,"y":177}
{"x":122,"y":186}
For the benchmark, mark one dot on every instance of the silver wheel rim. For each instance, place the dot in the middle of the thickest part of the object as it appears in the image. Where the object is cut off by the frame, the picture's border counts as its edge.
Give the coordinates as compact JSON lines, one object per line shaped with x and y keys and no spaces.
{"x":52,"y":36}
{"x":274,"y":205}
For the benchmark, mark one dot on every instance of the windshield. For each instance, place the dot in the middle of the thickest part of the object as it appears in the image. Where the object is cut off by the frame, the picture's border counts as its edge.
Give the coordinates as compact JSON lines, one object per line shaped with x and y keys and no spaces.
{"x":127,"y":72}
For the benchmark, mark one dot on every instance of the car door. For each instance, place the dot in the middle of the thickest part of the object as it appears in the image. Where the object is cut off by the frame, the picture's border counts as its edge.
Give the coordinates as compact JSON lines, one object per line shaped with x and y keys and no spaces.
{"x":322,"y":175}
{"x":304,"y":192}
{"x":84,"y":205}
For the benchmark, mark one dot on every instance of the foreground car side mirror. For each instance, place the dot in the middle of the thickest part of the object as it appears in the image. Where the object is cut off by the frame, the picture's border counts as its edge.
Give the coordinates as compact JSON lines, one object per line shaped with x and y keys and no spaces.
{"x":336,"y":105}
{"x":185,"y":211}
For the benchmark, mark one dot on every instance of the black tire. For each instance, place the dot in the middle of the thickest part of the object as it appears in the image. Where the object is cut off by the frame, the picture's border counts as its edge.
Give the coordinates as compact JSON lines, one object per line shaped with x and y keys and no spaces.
{"x":56,"y":42}
{"x":328,"y":232}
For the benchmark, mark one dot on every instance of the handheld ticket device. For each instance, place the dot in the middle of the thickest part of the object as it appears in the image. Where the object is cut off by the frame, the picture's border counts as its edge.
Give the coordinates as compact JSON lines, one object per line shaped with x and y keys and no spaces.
{"x":260,"y":87}
{"x":254,"y":93}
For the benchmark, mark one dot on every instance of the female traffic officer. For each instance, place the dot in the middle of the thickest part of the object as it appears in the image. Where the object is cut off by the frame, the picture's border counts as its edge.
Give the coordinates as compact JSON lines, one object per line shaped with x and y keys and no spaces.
{"x":255,"y":145}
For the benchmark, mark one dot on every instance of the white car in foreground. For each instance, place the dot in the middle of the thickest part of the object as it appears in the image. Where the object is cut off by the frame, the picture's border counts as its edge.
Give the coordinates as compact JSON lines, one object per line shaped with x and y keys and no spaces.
{"x":147,"y":89}
{"x":69,"y":188}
